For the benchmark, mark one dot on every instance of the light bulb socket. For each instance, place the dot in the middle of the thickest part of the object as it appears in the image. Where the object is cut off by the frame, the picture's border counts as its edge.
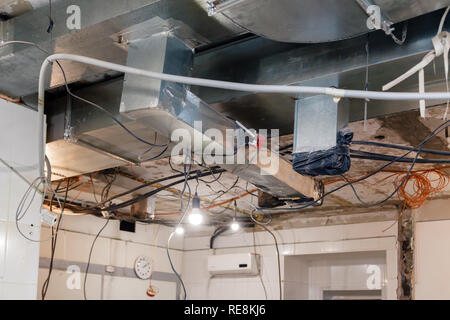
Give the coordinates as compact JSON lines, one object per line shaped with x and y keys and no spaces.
{"x":196,"y":202}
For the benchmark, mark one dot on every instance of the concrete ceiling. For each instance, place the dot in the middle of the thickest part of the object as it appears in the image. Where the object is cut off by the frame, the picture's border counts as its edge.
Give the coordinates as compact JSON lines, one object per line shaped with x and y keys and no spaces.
{"x":13,"y":8}
{"x":342,"y":206}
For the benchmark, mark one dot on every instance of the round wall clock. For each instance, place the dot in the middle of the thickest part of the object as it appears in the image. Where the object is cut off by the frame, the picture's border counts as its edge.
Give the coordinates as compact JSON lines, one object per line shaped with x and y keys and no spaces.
{"x":143,"y":267}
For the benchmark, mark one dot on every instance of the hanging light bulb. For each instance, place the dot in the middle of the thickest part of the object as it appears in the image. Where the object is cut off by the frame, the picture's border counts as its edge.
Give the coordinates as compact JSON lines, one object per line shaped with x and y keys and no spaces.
{"x":179,"y":231}
{"x":234,"y":225}
{"x":196,"y":216}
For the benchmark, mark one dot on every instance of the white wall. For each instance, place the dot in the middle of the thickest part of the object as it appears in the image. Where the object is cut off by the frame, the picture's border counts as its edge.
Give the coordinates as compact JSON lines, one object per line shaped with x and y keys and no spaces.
{"x":432,"y":260}
{"x":366,"y":237}
{"x":120,"y":249}
{"x":18,"y":257}
{"x":310,"y":276}
{"x":113,"y":248}
{"x":432,"y":250}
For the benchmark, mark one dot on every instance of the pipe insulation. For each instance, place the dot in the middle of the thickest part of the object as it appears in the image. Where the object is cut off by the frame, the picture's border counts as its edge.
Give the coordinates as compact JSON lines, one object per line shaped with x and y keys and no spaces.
{"x":281,"y":89}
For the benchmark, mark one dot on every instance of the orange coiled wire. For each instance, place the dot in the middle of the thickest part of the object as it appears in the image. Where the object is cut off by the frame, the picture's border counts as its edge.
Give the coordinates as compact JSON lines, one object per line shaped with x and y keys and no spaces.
{"x":421,"y":182}
{"x":420,"y":185}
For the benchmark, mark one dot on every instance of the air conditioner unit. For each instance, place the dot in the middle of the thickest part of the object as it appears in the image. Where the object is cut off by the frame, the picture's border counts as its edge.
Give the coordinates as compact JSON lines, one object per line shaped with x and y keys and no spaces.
{"x":234,"y":264}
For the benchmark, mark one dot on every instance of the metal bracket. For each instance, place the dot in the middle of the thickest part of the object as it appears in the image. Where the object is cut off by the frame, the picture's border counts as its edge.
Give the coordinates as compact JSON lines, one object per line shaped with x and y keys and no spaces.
{"x":218,"y":6}
{"x":69,"y":135}
{"x":376,"y":20}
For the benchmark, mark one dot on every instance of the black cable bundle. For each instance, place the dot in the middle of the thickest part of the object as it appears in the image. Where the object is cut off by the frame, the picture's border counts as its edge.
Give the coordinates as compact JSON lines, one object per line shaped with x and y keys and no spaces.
{"x":329,"y":162}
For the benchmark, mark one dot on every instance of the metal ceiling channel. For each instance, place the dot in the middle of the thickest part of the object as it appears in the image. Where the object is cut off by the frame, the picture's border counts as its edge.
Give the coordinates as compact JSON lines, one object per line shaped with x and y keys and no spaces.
{"x":263,"y":61}
{"x":100,"y":36}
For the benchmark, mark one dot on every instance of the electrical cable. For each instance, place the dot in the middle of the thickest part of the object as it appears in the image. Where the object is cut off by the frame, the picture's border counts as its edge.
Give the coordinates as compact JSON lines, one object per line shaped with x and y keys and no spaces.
{"x":278,"y":258}
{"x":112,"y":116}
{"x":184,"y":211}
{"x":250,"y":193}
{"x":260,"y":273}
{"x":263,"y":214}
{"x":20,"y":212}
{"x":213,"y":205}
{"x":73,"y":186}
{"x":366,"y":86}
{"x":90,"y":255}
{"x":228,"y":190}
{"x":399,"y":147}
{"x":148,"y":184}
{"x":384,"y":157}
{"x":421,"y":188}
{"x":215,"y":179}
{"x":53,"y":246}
{"x":436,"y":131}
{"x":153,"y":192}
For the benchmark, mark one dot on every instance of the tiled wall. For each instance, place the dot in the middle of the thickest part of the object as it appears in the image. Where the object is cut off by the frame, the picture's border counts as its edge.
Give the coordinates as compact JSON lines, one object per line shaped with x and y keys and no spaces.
{"x":120,"y":249}
{"x":432,"y":259}
{"x":310,"y":276}
{"x":113,"y":248}
{"x":19,"y":257}
{"x":369,"y":237}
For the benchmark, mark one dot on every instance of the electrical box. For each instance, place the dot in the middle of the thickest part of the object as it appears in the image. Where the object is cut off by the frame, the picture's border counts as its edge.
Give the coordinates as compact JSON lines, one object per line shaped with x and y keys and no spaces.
{"x":234,"y":264}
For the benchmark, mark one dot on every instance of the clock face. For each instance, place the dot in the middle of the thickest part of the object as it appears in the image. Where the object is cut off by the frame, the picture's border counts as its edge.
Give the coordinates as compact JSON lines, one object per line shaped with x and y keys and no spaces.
{"x":143,"y":267}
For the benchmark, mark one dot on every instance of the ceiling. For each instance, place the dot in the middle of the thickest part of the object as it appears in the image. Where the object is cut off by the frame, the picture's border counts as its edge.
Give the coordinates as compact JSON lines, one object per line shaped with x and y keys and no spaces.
{"x":341,"y":206}
{"x":13,"y":8}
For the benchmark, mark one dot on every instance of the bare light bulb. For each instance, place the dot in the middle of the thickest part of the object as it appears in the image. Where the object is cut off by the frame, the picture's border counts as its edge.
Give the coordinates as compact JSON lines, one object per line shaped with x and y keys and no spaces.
{"x":195,"y":217}
{"x":235,"y":226}
{"x":179,"y":231}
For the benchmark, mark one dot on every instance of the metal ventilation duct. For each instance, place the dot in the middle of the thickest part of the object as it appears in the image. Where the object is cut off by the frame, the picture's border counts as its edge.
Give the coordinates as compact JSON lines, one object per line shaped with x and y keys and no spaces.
{"x":153,"y":110}
{"x":104,"y":28}
{"x":314,"y":21}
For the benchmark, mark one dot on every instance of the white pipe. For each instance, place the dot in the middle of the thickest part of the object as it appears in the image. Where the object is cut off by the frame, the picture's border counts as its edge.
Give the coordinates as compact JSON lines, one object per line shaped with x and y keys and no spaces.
{"x":294,"y":90}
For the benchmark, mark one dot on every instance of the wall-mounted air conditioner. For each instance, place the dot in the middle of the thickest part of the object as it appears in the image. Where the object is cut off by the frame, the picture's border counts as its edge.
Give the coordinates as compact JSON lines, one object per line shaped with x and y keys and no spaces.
{"x":234,"y":264}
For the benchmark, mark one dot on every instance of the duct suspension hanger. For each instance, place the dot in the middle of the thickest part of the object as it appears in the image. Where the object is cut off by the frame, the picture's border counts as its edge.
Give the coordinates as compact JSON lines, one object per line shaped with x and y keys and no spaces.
{"x":441,"y":44}
{"x":377,"y":21}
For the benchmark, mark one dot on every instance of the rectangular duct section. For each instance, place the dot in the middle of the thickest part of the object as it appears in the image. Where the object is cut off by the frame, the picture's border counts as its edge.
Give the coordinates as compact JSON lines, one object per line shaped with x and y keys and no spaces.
{"x":320,"y":140}
{"x":318,"y":114}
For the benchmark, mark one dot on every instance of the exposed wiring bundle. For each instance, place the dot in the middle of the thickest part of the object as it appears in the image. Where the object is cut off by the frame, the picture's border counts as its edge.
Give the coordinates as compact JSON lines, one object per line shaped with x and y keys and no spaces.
{"x":290,"y":90}
{"x":401,"y":184}
{"x":420,"y":186}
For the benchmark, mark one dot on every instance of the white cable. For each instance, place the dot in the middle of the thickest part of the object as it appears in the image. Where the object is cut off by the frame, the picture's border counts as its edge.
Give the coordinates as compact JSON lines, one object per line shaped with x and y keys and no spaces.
{"x":441,"y":24}
{"x":441,"y":46}
{"x":429,"y":57}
